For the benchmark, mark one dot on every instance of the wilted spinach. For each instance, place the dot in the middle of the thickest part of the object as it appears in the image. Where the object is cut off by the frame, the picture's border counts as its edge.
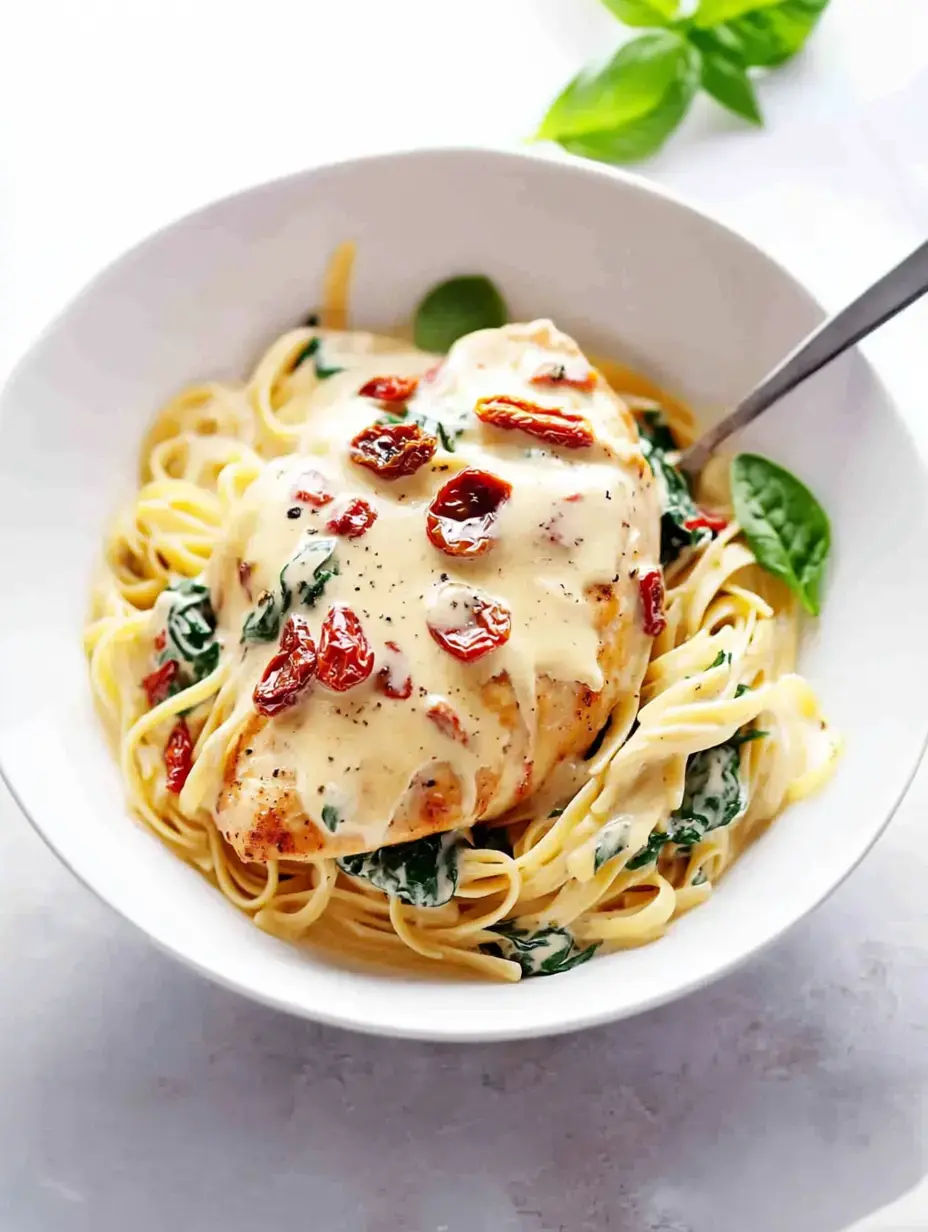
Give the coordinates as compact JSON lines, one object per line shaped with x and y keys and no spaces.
{"x":546,"y":951}
{"x":423,"y":873}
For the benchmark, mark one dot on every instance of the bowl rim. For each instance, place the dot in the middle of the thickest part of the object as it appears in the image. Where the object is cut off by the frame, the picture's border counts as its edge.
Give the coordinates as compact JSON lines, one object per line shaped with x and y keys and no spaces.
{"x":573,"y":1017}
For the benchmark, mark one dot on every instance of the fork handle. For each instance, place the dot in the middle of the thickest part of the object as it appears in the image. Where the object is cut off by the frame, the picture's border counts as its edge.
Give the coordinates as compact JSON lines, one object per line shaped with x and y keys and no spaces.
{"x":898,"y":289}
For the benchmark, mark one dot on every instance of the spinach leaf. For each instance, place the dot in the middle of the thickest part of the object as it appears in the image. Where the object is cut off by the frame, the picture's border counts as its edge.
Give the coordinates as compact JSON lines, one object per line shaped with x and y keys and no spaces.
{"x":720,"y":660}
{"x":612,"y":839}
{"x":712,"y":797}
{"x":746,"y":735}
{"x":262,"y":624}
{"x":784,"y":524}
{"x":423,"y":873}
{"x":766,"y":35}
{"x":626,"y":110}
{"x":309,"y":571}
{"x":190,"y":629}
{"x":313,"y":350}
{"x":331,"y":817}
{"x":742,"y":689}
{"x":724,"y":75}
{"x":678,"y":505}
{"x":546,"y":951}
{"x":455,"y":308}
{"x":643,"y":12}
{"x":491,"y":838}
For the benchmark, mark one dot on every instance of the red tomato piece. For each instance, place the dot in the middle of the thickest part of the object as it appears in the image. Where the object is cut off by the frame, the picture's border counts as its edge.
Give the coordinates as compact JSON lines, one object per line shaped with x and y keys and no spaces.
{"x":394,"y":679}
{"x":352,"y":521}
{"x":651,"y":589}
{"x":707,"y":521}
{"x":461,"y":519}
{"x":488,"y":627}
{"x":312,"y":489}
{"x":178,"y":756}
{"x":161,"y":640}
{"x":448,"y":722}
{"x":555,"y":425}
{"x":393,"y":451}
{"x":289,"y":671}
{"x":575,"y":373}
{"x":390,"y":388}
{"x":157,"y":686}
{"x":345,"y":655}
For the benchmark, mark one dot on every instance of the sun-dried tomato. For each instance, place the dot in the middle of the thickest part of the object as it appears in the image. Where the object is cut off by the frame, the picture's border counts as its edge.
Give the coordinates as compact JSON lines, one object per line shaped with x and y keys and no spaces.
{"x":312,"y":489}
{"x":345,"y":655}
{"x":651,"y":589}
{"x":487,"y":628}
{"x":448,"y":722}
{"x":575,"y":373}
{"x":461,"y":519}
{"x":352,"y":521}
{"x":706,"y":521}
{"x":390,"y":388}
{"x":289,"y":671}
{"x":393,"y":451}
{"x":393,"y":679}
{"x":178,"y":756}
{"x":161,"y":640}
{"x":157,"y":686}
{"x":556,"y":425}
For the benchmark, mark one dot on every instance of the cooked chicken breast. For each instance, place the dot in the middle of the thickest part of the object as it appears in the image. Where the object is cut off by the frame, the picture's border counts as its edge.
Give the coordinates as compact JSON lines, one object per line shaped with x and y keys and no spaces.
{"x":472,"y":622}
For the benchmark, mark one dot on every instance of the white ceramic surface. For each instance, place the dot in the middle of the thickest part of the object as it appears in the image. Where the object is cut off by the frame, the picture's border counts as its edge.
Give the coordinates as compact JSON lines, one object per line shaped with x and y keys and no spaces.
{"x":627,"y":269}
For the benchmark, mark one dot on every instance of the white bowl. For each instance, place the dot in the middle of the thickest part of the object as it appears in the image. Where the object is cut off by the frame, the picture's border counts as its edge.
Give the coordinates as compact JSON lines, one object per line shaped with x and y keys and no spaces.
{"x":624,"y":267}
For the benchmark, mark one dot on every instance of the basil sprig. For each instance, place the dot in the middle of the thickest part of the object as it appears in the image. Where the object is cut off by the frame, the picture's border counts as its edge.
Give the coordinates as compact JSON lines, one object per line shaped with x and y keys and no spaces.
{"x":785,"y":526}
{"x":625,"y":109}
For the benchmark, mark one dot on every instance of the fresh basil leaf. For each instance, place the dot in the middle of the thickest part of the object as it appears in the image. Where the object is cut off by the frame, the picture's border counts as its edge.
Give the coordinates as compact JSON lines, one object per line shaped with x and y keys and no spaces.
{"x":308,"y":572}
{"x":612,"y":839}
{"x":643,"y":12}
{"x":677,"y":503}
{"x":423,"y":873}
{"x":785,"y":526}
{"x":620,"y":92}
{"x":455,"y":308}
{"x":714,"y":12}
{"x":331,"y":817}
{"x":642,"y":136}
{"x":725,"y":77}
{"x":769,"y":36}
{"x":262,"y":624}
{"x":546,"y":951}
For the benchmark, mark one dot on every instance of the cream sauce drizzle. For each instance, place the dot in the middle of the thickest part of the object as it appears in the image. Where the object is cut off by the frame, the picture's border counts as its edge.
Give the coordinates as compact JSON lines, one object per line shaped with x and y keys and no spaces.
{"x":575,"y":518}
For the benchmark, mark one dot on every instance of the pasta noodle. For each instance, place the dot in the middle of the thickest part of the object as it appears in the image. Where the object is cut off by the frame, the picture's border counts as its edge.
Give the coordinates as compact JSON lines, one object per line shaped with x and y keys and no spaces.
{"x":592,"y":875}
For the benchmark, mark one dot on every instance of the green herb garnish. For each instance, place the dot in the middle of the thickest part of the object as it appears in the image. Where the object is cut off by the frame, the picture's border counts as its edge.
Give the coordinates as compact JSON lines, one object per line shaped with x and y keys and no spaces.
{"x":785,"y":526}
{"x":190,"y":634}
{"x":677,"y":502}
{"x":625,"y":109}
{"x":455,"y":308}
{"x":331,"y":817}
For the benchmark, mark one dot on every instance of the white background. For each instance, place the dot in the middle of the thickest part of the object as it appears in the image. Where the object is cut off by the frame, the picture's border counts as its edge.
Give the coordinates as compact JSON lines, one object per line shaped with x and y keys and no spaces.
{"x":790,"y":1096}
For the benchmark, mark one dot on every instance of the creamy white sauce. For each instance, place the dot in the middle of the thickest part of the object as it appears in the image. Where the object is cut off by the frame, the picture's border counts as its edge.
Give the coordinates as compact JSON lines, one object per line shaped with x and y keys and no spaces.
{"x":575,"y":519}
